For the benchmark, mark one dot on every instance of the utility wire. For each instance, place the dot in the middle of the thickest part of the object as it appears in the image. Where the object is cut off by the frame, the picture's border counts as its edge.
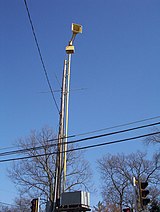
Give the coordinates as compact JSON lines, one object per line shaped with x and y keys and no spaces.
{"x":113,"y":142}
{"x":4,"y":203}
{"x":82,"y":148}
{"x":32,"y":148}
{"x":71,"y":90}
{"x":117,"y":126}
{"x":41,"y":58}
{"x":99,"y":130}
{"x":21,"y":151}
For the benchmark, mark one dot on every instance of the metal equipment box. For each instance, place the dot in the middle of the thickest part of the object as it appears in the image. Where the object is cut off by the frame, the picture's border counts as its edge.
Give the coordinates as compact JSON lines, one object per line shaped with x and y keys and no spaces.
{"x":80,"y":198}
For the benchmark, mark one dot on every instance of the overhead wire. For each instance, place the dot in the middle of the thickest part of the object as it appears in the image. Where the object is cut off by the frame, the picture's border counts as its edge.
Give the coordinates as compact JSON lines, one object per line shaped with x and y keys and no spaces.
{"x":40,"y":54}
{"x":94,"y":131}
{"x":82,"y":148}
{"x":120,"y":125}
{"x":113,"y":142}
{"x":76,"y":89}
{"x":31,"y":148}
{"x":4,"y":203}
{"x":22,"y":151}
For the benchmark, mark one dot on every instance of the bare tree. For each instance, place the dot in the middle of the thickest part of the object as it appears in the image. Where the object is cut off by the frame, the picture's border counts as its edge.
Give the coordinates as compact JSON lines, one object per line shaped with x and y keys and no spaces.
{"x":99,"y":207}
{"x":154,"y":139}
{"x":114,"y":184}
{"x":117,"y":173}
{"x":22,"y":204}
{"x":109,"y":207}
{"x":35,"y":177}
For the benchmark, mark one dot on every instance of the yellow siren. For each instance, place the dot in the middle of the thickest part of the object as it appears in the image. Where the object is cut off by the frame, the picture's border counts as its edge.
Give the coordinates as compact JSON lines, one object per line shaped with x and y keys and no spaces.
{"x":76,"y":28}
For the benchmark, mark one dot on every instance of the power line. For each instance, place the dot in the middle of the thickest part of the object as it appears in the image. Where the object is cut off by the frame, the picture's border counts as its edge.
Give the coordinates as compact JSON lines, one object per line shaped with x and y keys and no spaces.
{"x":21,"y":151}
{"x":41,"y":58}
{"x":120,"y":125}
{"x":77,"y":141}
{"x":82,"y":148}
{"x":113,"y":142}
{"x":4,"y":203}
{"x":31,"y":148}
{"x":71,"y":90}
{"x":90,"y":132}
{"x":55,"y":139}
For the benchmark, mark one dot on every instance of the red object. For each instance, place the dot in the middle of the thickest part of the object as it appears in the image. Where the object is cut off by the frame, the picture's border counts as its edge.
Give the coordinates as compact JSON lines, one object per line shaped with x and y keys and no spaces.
{"x":126,"y":210}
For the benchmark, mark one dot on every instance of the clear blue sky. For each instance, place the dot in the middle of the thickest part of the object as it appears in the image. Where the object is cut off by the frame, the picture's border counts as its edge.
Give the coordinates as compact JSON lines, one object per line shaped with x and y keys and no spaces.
{"x":116,"y":60}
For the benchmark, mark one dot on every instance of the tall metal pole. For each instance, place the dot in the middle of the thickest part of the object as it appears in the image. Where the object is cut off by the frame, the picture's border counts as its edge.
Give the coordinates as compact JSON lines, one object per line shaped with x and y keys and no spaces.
{"x":66,"y":120}
{"x":61,"y":159}
{"x":76,"y":28}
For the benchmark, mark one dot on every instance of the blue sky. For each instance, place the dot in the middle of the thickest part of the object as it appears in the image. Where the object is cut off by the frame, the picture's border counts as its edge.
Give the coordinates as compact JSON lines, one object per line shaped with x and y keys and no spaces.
{"x":116,"y":61}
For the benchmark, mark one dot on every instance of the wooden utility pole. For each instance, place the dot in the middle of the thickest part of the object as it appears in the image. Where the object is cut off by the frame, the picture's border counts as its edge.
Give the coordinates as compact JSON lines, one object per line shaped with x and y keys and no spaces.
{"x":59,"y":158}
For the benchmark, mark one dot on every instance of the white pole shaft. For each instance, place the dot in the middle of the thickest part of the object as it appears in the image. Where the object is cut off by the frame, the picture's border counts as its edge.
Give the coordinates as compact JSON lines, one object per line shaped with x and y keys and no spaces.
{"x":66,"y":119}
